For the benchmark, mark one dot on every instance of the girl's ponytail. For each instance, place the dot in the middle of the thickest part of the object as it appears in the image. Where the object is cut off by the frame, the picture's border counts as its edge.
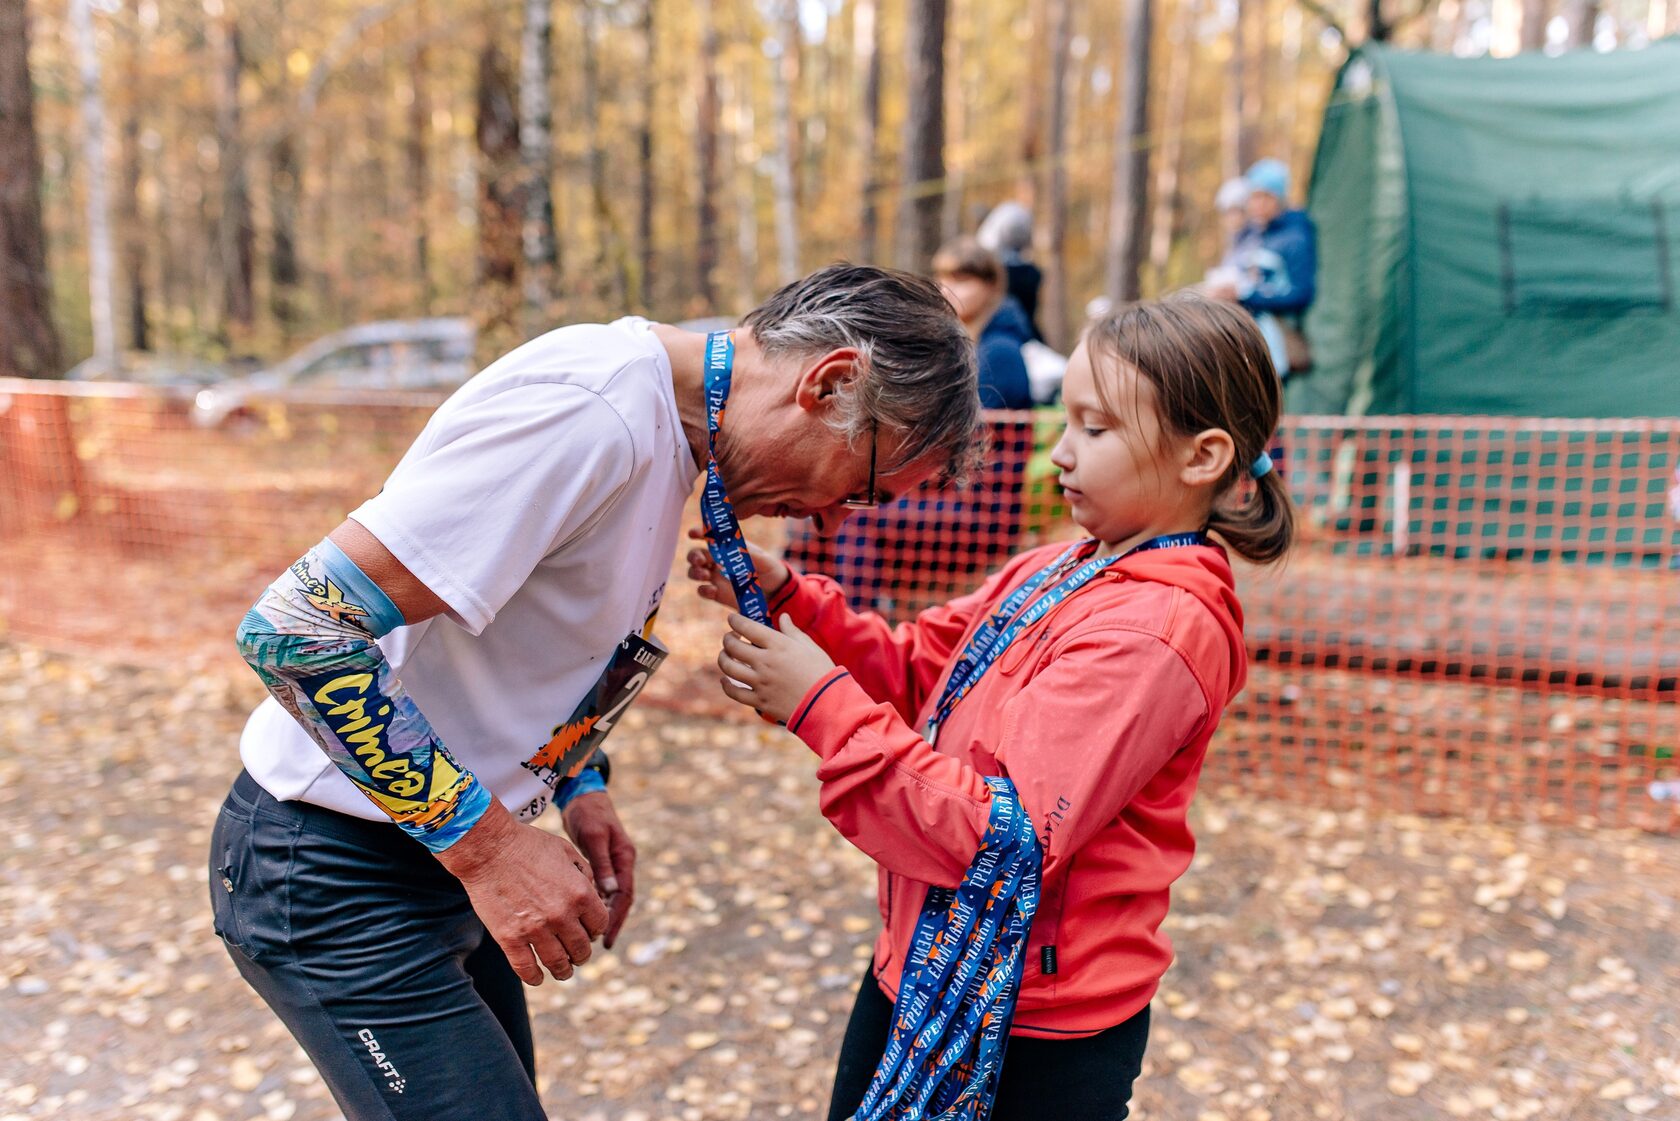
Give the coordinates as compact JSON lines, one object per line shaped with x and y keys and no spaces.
{"x":1261,"y":528}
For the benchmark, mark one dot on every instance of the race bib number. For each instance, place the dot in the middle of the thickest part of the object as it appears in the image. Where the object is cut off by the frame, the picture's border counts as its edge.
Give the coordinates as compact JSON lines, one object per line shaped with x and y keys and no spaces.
{"x":573,"y":742}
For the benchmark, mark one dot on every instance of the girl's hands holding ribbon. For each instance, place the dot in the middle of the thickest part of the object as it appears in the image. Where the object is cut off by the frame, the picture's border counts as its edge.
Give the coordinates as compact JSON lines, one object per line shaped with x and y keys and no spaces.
{"x":770,"y":670}
{"x":714,"y":585}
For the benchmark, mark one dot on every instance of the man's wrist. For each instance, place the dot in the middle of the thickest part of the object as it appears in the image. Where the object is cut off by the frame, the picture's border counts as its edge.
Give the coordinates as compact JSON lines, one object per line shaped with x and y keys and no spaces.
{"x":590,"y":780}
{"x":480,"y":846}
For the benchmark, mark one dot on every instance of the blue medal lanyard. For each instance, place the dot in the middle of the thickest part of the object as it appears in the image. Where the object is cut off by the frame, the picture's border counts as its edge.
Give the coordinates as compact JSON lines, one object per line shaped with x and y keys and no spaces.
{"x":956,"y":999}
{"x":1008,"y":621}
{"x":723,"y":532}
{"x":950,"y":1023}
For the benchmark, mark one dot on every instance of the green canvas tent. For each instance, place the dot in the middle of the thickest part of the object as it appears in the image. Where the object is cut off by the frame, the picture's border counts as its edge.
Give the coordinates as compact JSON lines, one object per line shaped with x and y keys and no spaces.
{"x":1498,"y":236}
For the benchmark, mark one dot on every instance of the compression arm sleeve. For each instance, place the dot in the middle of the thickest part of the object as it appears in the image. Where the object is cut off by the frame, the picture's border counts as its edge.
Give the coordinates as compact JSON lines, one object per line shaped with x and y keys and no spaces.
{"x":311,"y":640}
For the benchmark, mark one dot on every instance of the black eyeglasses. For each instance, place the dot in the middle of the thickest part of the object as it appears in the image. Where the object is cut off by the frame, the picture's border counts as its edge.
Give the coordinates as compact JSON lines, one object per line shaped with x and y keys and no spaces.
{"x":869,"y":499}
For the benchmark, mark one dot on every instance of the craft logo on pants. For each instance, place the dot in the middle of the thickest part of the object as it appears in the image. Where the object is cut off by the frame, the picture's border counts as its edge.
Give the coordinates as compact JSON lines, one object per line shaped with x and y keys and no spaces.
{"x":393,"y":1080}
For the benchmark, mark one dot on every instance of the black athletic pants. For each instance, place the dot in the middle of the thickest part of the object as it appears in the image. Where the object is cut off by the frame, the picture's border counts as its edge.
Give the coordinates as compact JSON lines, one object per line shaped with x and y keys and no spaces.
{"x":1087,"y":1079}
{"x":371,"y":954}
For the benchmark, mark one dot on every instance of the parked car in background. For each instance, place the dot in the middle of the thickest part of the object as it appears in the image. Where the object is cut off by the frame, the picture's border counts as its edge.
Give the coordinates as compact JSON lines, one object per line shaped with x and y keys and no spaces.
{"x":396,"y":354}
{"x":159,"y":371}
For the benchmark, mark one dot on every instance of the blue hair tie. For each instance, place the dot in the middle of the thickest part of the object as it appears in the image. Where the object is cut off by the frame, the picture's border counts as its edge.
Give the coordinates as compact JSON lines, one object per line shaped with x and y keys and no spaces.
{"x":1262,"y":466}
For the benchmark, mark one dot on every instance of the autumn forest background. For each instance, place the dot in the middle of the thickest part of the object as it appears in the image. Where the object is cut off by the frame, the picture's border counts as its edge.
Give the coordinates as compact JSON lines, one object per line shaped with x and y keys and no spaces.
{"x":231,"y":178}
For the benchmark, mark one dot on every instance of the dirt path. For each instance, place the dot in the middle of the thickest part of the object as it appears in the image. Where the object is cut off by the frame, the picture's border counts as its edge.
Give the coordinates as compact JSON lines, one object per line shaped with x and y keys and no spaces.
{"x":1331,"y":965}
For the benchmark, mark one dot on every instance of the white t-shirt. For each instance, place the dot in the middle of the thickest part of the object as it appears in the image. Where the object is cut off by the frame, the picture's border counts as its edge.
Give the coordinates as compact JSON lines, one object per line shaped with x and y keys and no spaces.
{"x":542,"y":502}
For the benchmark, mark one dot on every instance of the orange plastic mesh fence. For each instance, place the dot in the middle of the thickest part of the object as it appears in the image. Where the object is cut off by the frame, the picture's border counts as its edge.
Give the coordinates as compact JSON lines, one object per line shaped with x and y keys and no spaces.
{"x":1480,"y":616}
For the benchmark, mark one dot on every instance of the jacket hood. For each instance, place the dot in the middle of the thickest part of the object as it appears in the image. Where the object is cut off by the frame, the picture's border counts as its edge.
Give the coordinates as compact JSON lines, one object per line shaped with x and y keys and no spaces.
{"x":1009,"y":321}
{"x":1205,"y":573}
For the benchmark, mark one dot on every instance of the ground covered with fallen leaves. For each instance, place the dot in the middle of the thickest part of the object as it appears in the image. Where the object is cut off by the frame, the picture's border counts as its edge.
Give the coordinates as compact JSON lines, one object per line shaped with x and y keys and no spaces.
{"x":1330,"y":964}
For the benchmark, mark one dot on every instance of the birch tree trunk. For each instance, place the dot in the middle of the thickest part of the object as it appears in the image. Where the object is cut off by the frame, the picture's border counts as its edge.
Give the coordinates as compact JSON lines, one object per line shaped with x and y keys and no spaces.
{"x":1032,"y":106}
{"x":419,"y":163}
{"x":746,"y":188}
{"x":1129,"y":210}
{"x":536,"y":155}
{"x":924,"y":135}
{"x":234,"y":232}
{"x":1289,"y":81}
{"x":1236,"y":146}
{"x":29,"y":344}
{"x":792,"y":67}
{"x":1054,"y":307}
{"x":644,"y":162}
{"x":612,"y":264}
{"x":1656,"y":18}
{"x":1505,"y":27}
{"x":706,"y":245}
{"x":866,"y":31}
{"x":1665,"y":18}
{"x":951,"y":201}
{"x":783,"y":170}
{"x":1170,"y":171}
{"x":98,"y":208}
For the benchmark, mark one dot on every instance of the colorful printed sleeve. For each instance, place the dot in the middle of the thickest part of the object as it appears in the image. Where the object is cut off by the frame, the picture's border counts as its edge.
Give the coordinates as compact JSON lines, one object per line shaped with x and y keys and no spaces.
{"x":311,"y":638}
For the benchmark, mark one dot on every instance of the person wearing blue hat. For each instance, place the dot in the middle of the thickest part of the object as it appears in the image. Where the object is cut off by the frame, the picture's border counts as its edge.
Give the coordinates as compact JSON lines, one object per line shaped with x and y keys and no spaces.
{"x":1276,"y":255}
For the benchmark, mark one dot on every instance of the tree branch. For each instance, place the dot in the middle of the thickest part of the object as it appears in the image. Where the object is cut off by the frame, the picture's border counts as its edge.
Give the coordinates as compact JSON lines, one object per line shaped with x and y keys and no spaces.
{"x":1326,"y":17}
{"x":336,"y":51}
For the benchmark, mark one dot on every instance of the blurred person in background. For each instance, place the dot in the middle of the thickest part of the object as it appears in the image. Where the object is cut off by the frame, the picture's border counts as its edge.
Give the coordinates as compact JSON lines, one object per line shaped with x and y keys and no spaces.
{"x":972,"y":278}
{"x":1275,"y":264}
{"x":1231,"y":204}
{"x":1007,"y":231}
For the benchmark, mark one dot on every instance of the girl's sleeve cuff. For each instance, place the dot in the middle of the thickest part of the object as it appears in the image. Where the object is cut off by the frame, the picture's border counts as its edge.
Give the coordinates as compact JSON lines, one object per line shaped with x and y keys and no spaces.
{"x":797,"y":599}
{"x":826,"y":731}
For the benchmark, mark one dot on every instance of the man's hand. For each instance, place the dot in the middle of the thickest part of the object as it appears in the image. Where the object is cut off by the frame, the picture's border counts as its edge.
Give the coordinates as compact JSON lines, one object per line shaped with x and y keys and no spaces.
{"x":593,"y":823}
{"x":773,"y":573}
{"x":770,"y":670}
{"x":533,"y":892}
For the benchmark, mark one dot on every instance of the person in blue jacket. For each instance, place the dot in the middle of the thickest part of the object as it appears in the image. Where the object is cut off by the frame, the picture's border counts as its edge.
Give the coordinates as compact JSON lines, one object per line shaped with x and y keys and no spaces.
{"x":974,"y":280}
{"x":1007,"y":231}
{"x":1276,"y":256}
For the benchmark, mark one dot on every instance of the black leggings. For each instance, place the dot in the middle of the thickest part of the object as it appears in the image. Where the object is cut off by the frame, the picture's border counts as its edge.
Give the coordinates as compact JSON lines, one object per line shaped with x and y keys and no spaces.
{"x":371,"y":954}
{"x":1087,"y":1079}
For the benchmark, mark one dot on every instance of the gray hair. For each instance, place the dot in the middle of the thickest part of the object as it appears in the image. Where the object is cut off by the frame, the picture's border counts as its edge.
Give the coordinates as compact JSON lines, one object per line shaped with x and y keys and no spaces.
{"x":917,"y":368}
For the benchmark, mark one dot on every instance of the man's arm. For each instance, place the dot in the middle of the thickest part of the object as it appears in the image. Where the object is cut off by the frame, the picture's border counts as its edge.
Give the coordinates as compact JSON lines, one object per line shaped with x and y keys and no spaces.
{"x":311,"y":638}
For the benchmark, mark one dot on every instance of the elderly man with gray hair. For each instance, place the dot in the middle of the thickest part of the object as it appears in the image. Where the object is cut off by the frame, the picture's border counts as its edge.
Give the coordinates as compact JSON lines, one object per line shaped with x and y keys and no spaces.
{"x":445,"y":664}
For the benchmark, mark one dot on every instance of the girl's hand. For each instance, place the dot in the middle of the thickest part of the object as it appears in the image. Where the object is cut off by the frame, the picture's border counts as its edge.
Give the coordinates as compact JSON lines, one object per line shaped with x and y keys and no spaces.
{"x":769,"y":670}
{"x":773,"y":574}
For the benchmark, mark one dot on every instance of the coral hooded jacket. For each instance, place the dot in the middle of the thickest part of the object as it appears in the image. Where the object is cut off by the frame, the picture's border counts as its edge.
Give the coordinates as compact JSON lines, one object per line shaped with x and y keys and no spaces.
{"x":1100,"y":714}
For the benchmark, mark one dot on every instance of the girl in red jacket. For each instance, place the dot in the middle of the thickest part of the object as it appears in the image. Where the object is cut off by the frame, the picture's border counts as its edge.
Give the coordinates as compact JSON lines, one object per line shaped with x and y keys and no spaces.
{"x":1090,"y":677}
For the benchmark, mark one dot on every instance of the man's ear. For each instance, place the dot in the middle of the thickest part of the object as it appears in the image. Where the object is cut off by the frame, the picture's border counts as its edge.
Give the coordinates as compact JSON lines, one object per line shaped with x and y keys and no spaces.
{"x":1207,"y":457}
{"x":823,"y":378}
